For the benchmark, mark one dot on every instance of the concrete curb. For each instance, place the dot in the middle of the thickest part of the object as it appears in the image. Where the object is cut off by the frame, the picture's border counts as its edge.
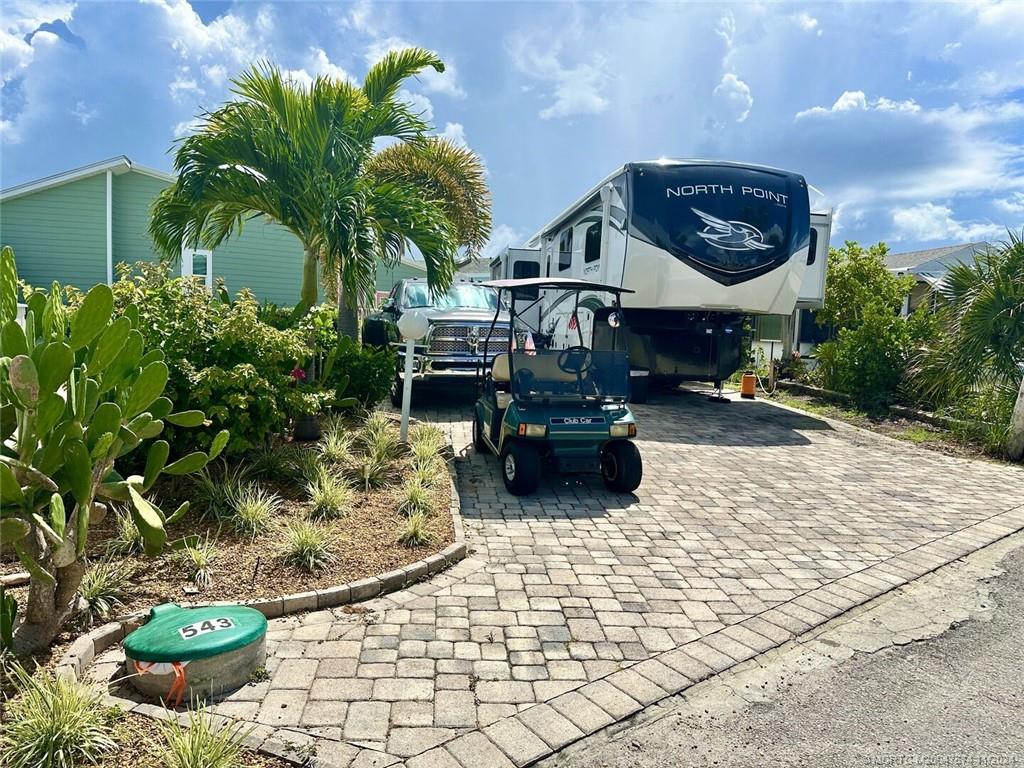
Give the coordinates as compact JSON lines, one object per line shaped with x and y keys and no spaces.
{"x":84,"y":649}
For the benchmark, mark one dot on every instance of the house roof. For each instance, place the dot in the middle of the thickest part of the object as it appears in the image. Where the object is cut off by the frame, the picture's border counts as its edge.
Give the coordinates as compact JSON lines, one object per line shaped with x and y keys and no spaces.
{"x":117,"y":165}
{"x":933,"y":259}
{"x":475,"y":266}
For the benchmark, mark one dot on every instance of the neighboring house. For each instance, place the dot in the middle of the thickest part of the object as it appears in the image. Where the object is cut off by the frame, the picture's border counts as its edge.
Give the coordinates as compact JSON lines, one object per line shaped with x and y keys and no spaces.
{"x":929,"y":268}
{"x":476,"y":270}
{"x":75,"y":227}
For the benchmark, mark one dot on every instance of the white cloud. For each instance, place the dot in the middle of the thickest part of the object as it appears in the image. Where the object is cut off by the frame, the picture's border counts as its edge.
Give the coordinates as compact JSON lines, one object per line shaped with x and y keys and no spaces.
{"x":732,"y":98}
{"x":927,"y":222}
{"x":576,"y":89}
{"x":950,"y":49}
{"x":186,"y":127}
{"x":851,"y":101}
{"x":1014,"y":204}
{"x":418,"y":103}
{"x":808,"y":23}
{"x":317,"y":64}
{"x":726,"y":29}
{"x":455,"y":133}
{"x":19,"y":20}
{"x":83,"y":114}
{"x":445,"y":83}
{"x":184,"y":87}
{"x":502,"y":236}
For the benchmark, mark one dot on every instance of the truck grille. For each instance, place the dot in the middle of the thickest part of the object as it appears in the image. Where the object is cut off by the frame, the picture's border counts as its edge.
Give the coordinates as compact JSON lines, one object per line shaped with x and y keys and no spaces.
{"x":467,"y":339}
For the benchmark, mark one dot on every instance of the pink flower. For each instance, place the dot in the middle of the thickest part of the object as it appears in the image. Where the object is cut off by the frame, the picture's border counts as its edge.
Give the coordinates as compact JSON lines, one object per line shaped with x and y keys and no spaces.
{"x":298,"y":374}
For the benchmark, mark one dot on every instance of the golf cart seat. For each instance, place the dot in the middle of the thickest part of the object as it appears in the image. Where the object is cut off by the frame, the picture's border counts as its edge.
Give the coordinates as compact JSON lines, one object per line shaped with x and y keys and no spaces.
{"x":499,"y":374}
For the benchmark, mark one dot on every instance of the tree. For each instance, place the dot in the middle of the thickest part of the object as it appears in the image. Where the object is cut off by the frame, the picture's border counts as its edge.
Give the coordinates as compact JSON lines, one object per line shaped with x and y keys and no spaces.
{"x":979,"y":351}
{"x":857,"y":277}
{"x":301,"y":157}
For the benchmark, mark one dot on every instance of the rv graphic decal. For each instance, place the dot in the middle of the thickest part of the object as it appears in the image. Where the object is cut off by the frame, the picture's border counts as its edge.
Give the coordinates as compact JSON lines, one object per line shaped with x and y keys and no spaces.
{"x":731,"y":235}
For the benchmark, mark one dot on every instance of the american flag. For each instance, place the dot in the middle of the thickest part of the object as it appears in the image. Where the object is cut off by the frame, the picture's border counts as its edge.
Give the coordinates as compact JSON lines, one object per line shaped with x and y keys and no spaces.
{"x":573,"y":322}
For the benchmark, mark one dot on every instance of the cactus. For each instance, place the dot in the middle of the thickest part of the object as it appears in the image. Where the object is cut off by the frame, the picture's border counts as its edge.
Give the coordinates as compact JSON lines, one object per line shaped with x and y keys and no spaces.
{"x":8,"y":610}
{"x":78,"y":392}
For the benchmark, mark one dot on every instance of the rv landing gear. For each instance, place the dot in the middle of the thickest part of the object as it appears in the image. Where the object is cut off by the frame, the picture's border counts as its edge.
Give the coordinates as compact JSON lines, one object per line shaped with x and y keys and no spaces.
{"x":716,"y":396}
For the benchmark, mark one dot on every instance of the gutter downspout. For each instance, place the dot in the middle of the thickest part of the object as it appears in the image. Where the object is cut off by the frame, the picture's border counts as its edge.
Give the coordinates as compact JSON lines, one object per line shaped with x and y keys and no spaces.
{"x":110,"y":228}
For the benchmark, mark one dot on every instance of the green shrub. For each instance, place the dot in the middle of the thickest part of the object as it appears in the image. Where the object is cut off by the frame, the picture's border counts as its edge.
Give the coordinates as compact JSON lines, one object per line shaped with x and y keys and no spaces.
{"x":105,"y":586}
{"x":307,"y":545}
{"x":372,"y":471}
{"x":336,"y":445}
{"x":370,"y":371}
{"x":126,"y":539}
{"x":214,"y":490}
{"x":413,"y":532}
{"x":428,"y":437}
{"x":868,"y":361}
{"x":305,"y":465}
{"x":198,"y":555}
{"x":329,"y":496}
{"x":254,"y":509}
{"x":428,"y":474}
{"x":415,"y":499}
{"x":380,"y":437}
{"x":54,"y":723}
{"x":270,"y":461}
{"x":201,"y":744}
{"x":223,"y":358}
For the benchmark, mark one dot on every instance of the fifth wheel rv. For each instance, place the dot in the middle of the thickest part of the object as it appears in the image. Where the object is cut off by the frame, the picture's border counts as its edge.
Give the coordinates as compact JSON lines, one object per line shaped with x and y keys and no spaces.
{"x":701,"y":244}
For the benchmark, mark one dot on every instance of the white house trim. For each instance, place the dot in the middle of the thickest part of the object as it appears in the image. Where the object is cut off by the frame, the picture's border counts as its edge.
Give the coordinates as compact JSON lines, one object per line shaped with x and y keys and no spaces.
{"x":115,"y":165}
{"x":187,"y":255}
{"x":110,"y":227}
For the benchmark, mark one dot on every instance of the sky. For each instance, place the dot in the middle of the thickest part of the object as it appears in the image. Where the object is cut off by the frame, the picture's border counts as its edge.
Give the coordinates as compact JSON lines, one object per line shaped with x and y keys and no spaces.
{"x":908,"y":117}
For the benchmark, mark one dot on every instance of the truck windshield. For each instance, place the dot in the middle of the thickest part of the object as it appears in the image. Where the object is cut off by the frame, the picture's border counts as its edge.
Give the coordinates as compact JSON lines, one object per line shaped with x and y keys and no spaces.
{"x":729,"y":223}
{"x":464,"y":296}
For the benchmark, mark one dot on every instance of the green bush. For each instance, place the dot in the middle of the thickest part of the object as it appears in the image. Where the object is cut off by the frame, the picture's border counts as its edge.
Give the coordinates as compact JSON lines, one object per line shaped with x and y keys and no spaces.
{"x":222,"y":357}
{"x":54,"y":723}
{"x":370,"y":371}
{"x":307,"y":545}
{"x":868,"y":361}
{"x":105,"y":586}
{"x":201,"y":744}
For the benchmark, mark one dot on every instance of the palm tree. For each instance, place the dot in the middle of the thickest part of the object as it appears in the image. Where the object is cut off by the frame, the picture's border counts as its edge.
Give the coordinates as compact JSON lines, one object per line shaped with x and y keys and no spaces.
{"x":302,"y":157}
{"x":980,"y":348}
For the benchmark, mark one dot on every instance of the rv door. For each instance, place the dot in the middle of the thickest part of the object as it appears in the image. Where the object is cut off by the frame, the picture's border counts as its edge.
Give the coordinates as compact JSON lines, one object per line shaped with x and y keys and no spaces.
{"x":525,"y":263}
{"x":812,"y":290}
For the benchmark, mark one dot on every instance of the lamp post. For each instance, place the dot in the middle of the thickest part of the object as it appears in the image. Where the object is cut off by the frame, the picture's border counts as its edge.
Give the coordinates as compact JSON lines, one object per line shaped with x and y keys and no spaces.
{"x":412,"y":325}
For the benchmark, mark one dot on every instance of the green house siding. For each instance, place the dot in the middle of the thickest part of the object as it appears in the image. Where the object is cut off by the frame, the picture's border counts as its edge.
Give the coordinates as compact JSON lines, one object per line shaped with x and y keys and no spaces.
{"x":59,"y":233}
{"x":133,"y":194}
{"x":266,"y":258}
{"x":388,"y":276}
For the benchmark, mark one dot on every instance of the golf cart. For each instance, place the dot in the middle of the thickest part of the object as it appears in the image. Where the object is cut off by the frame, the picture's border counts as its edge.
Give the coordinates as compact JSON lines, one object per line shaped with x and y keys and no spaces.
{"x":564,"y":408}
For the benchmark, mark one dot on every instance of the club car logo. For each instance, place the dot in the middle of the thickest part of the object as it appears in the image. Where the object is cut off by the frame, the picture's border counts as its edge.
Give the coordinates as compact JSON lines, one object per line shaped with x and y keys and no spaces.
{"x":731,"y":235}
{"x":578,"y":420}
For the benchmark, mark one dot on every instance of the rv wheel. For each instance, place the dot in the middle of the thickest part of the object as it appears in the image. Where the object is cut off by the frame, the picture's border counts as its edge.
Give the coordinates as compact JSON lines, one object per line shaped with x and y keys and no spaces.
{"x":520,"y":468}
{"x":622,"y":469}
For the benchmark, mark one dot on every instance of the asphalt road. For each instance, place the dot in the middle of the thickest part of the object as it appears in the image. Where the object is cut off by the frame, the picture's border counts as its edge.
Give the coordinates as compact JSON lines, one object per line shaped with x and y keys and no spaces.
{"x":954,"y":700}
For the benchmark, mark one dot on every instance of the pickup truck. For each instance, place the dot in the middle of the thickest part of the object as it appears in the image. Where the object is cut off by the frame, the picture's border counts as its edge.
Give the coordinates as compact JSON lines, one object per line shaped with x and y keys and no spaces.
{"x":460,"y":330}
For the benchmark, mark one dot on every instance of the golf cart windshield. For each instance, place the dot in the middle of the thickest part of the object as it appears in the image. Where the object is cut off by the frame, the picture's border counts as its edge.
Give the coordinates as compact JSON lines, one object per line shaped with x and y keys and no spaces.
{"x":570,"y":374}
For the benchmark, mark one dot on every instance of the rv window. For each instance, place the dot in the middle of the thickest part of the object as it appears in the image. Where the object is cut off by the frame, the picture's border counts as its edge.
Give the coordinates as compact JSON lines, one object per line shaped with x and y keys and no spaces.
{"x":812,"y":247}
{"x":522,"y":270}
{"x":592,"y":245}
{"x":565,"y":250}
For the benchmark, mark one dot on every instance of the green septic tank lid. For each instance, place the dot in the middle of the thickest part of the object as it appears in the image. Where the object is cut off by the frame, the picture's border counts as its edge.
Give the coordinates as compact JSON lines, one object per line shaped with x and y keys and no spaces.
{"x":174,"y":633}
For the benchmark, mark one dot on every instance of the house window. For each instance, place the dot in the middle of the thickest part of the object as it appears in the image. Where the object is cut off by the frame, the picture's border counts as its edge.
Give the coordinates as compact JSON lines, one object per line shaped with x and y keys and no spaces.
{"x":565,"y":250}
{"x":592,"y":244}
{"x":198,"y":263}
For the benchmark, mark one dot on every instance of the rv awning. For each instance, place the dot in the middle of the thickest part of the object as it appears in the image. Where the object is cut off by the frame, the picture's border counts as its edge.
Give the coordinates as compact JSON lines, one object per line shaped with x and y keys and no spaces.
{"x":556,"y":283}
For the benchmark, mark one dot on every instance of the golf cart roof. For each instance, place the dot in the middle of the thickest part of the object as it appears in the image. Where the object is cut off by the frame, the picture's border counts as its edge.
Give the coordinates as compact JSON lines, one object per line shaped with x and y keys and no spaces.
{"x":556,"y":283}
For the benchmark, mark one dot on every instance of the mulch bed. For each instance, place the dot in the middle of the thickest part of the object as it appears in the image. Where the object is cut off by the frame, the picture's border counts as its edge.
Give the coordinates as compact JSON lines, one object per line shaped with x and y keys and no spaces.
{"x":365,"y":544}
{"x":138,"y":741}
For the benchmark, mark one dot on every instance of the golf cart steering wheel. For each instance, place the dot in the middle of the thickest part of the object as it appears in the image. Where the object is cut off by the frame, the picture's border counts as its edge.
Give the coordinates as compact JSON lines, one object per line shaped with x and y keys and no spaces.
{"x":575,"y":360}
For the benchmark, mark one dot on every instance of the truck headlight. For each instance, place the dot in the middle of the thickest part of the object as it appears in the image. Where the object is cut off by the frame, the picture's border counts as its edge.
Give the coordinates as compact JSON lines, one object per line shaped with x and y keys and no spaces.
{"x":623,"y":430}
{"x":532,"y":430}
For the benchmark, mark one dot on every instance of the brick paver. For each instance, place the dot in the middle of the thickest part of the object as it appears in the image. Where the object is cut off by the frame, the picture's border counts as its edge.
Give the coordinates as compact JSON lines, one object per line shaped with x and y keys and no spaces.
{"x":753,"y":524}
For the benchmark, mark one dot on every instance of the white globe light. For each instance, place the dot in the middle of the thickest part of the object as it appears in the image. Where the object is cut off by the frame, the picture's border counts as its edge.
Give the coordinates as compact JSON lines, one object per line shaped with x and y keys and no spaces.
{"x":413,"y":325}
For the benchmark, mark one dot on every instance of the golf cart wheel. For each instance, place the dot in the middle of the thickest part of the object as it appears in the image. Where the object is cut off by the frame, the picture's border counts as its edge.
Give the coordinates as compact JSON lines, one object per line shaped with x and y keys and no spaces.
{"x":478,"y":436}
{"x":622,"y":469}
{"x":520,"y":468}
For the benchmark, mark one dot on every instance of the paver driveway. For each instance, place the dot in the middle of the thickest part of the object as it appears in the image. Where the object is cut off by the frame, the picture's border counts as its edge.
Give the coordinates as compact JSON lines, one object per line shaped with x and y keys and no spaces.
{"x":745,"y":509}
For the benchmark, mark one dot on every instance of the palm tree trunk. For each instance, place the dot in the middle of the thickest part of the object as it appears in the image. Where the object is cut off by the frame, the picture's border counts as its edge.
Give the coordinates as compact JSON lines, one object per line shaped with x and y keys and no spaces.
{"x":308,"y":293}
{"x":1015,"y":437}
{"x":348,"y":319}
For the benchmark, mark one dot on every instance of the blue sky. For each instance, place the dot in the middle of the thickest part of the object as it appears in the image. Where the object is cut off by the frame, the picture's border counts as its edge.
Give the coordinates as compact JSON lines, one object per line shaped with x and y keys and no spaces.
{"x":909,"y":117}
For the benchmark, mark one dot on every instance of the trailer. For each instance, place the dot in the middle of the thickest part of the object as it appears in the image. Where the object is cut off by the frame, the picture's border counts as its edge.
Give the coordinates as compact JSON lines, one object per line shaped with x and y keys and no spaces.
{"x":702,"y":245}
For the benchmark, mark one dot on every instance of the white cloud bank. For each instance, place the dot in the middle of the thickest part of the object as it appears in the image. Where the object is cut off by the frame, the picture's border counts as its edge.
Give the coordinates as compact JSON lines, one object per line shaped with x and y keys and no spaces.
{"x":927,"y":222}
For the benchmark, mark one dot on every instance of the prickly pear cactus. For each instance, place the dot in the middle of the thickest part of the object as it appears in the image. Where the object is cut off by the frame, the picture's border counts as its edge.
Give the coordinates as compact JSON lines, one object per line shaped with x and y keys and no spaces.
{"x":77,"y":392}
